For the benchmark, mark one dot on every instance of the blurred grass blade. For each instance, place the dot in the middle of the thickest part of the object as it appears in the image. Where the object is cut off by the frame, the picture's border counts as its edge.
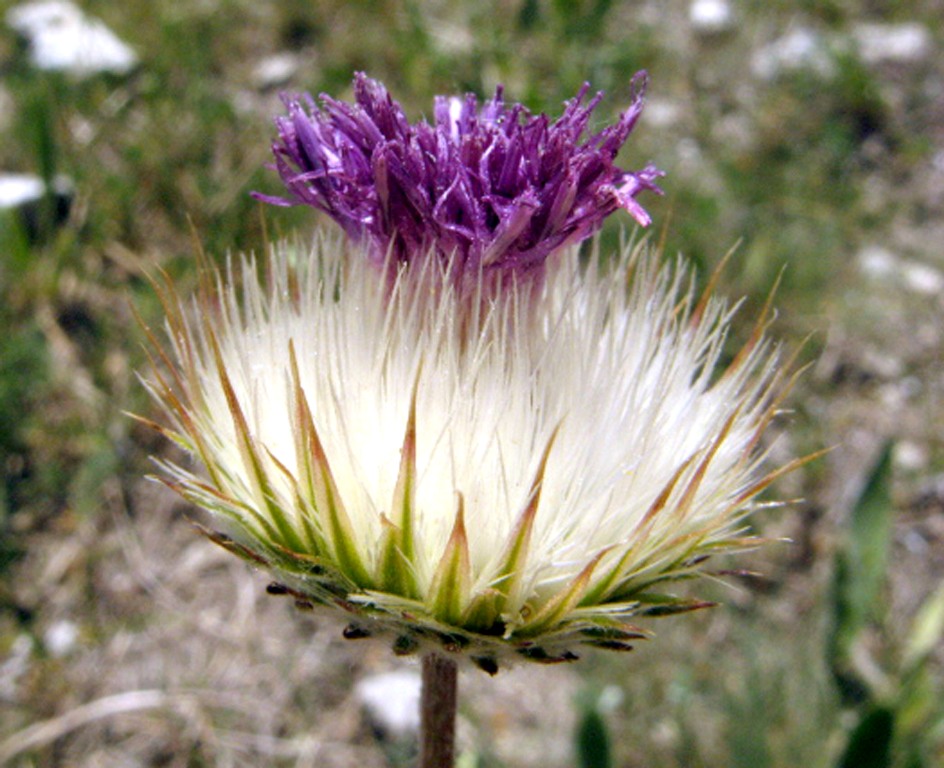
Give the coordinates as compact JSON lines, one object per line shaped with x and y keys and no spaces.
{"x":582,"y":18}
{"x":926,"y":630}
{"x":870,"y":744}
{"x":14,"y":246}
{"x":592,"y":737}
{"x":861,"y":564}
{"x":919,"y":705}
{"x":40,"y":120}
{"x":468,"y":760}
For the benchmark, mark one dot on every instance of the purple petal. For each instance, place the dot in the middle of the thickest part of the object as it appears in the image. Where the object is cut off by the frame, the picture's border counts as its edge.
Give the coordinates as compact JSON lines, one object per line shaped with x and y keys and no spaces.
{"x":490,"y":185}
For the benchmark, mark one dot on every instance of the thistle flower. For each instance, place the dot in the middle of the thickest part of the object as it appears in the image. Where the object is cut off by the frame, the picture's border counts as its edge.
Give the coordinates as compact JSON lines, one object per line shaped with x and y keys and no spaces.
{"x":516,"y":485}
{"x":498,"y":465}
{"x":485,"y":187}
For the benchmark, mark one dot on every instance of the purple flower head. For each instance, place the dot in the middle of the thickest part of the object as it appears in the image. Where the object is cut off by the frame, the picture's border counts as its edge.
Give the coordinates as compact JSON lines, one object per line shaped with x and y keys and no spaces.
{"x":492,"y":186}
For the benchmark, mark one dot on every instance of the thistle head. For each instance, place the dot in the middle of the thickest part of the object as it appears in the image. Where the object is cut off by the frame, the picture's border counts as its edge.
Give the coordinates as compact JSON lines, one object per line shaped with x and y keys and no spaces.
{"x":513,"y":476}
{"x":484,"y":187}
{"x":518,"y":486}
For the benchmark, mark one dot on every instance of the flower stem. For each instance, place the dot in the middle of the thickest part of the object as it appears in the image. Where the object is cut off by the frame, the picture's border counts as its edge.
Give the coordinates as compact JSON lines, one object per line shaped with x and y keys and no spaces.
{"x":438,"y":712}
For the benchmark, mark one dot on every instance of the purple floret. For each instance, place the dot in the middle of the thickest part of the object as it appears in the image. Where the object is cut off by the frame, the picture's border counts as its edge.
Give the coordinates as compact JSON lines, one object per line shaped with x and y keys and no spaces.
{"x":492,"y":184}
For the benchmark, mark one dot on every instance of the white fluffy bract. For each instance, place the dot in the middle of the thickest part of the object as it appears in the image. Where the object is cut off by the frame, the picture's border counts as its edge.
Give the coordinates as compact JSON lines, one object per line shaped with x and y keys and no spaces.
{"x":536,"y":455}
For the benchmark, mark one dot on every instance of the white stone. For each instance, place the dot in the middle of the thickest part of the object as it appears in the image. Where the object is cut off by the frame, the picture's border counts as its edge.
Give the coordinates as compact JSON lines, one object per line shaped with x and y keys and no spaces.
{"x":915,"y":542}
{"x":450,"y":38}
{"x":881,"y":264}
{"x":31,"y":18}
{"x":910,"y":456}
{"x":17,"y":189}
{"x":61,"y":637}
{"x":877,"y":262}
{"x":905,"y":43}
{"x":937,"y":162}
{"x":711,"y":17}
{"x":611,"y":697}
{"x":392,"y":701}
{"x":798,"y":49}
{"x":275,"y":70}
{"x":662,"y":113}
{"x":62,"y":38}
{"x":922,"y":278}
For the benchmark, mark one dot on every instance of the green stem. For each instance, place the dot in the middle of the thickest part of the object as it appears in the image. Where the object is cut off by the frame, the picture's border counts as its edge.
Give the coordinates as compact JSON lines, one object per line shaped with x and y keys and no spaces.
{"x":438,"y":712}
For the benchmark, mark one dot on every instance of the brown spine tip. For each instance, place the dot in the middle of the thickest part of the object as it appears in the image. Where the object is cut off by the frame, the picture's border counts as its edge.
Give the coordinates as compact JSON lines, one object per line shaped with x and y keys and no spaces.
{"x":355,"y":632}
{"x":486,"y":663}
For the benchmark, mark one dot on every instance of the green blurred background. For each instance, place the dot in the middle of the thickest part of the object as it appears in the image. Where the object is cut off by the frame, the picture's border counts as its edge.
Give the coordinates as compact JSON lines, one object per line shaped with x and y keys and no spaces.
{"x":808,"y":134}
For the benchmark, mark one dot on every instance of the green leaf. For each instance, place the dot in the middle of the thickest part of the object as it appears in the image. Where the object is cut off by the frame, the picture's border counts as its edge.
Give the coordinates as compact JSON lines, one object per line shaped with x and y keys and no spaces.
{"x":917,"y":706}
{"x":593,"y":739}
{"x":468,"y":760}
{"x":870,"y":744}
{"x":14,"y":244}
{"x":926,"y":630}
{"x":861,"y":564}
{"x":919,"y":703}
